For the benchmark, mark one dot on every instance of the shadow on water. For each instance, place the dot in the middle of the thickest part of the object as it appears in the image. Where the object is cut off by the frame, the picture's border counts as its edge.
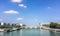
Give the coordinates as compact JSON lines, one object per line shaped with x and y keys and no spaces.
{"x":53,"y":33}
{"x":49,"y":33}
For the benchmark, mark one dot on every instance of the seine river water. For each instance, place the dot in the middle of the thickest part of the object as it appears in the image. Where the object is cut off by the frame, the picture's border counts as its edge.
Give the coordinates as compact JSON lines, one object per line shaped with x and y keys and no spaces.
{"x":30,"y":32}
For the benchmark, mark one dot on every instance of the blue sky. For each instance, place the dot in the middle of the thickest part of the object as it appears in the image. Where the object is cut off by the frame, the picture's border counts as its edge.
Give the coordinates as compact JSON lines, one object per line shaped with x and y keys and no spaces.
{"x":29,"y":12}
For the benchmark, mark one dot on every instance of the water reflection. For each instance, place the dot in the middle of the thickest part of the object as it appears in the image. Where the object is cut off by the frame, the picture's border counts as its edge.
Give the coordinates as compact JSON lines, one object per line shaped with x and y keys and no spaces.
{"x":53,"y":33}
{"x":30,"y":32}
{"x":49,"y":33}
{"x":1,"y":33}
{"x":20,"y":32}
{"x":44,"y":32}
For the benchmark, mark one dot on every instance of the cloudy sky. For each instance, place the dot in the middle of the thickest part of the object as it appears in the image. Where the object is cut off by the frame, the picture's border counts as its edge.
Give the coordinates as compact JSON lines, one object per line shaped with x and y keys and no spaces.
{"x":29,"y":12}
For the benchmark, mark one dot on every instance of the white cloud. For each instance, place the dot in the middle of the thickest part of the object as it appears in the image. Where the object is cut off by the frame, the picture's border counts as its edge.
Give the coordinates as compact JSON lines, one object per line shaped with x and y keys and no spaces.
{"x":17,"y":1}
{"x":11,"y":12}
{"x":19,"y":19}
{"x":22,"y":5}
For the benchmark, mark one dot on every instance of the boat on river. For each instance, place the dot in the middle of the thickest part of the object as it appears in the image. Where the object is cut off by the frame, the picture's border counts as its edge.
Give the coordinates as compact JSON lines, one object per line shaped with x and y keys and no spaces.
{"x":13,"y":29}
{"x":1,"y":30}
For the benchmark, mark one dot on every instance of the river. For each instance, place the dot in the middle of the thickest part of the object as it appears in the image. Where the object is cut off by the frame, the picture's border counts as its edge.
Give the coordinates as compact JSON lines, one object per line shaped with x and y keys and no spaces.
{"x":30,"y":32}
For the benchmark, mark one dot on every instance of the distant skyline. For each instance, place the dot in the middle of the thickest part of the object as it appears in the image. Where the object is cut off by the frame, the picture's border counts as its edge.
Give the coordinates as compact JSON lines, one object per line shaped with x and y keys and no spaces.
{"x":29,"y":12}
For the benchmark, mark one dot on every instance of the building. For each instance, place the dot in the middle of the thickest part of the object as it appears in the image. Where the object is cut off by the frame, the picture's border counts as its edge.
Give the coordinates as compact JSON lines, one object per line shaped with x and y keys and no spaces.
{"x":2,"y":23}
{"x":20,"y":24}
{"x":44,"y":23}
{"x":47,"y":23}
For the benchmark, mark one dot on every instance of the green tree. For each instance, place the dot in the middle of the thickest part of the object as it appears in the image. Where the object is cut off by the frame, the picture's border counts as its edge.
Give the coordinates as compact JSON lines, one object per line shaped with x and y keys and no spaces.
{"x":58,"y":26}
{"x":53,"y":25}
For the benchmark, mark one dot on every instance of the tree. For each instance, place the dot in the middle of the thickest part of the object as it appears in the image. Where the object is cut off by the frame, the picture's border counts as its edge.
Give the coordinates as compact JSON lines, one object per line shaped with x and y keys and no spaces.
{"x":23,"y":25}
{"x":53,"y":25}
{"x":58,"y":26}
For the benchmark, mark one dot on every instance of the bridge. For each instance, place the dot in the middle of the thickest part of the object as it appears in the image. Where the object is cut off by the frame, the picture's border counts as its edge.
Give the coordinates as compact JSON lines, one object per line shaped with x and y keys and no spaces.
{"x":31,"y":27}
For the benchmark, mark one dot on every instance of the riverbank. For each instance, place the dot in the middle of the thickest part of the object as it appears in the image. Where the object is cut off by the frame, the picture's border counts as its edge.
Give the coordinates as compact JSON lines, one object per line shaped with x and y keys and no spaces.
{"x":51,"y":29}
{"x":46,"y":28}
{"x":9,"y":29}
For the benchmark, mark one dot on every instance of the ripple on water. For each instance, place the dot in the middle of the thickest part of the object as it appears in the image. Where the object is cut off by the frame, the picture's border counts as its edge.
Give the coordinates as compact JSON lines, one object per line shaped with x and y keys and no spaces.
{"x":30,"y":32}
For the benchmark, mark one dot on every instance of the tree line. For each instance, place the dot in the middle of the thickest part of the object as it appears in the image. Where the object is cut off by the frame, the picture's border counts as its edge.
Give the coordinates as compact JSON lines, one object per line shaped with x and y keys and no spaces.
{"x":54,"y":25}
{"x":5,"y":25}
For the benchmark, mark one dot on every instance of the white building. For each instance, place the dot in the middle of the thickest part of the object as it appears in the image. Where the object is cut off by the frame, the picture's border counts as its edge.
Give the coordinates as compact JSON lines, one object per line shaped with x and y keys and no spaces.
{"x":44,"y":23}
{"x":2,"y":23}
{"x":20,"y":24}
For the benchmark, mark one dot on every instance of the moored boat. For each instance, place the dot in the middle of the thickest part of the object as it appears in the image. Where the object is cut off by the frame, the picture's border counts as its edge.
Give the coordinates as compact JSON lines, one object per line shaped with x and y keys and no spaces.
{"x":1,"y":30}
{"x":13,"y":29}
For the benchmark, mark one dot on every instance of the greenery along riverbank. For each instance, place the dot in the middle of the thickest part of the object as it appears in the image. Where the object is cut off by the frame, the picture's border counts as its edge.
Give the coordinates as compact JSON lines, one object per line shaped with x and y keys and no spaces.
{"x":54,"y":25}
{"x":8,"y":25}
